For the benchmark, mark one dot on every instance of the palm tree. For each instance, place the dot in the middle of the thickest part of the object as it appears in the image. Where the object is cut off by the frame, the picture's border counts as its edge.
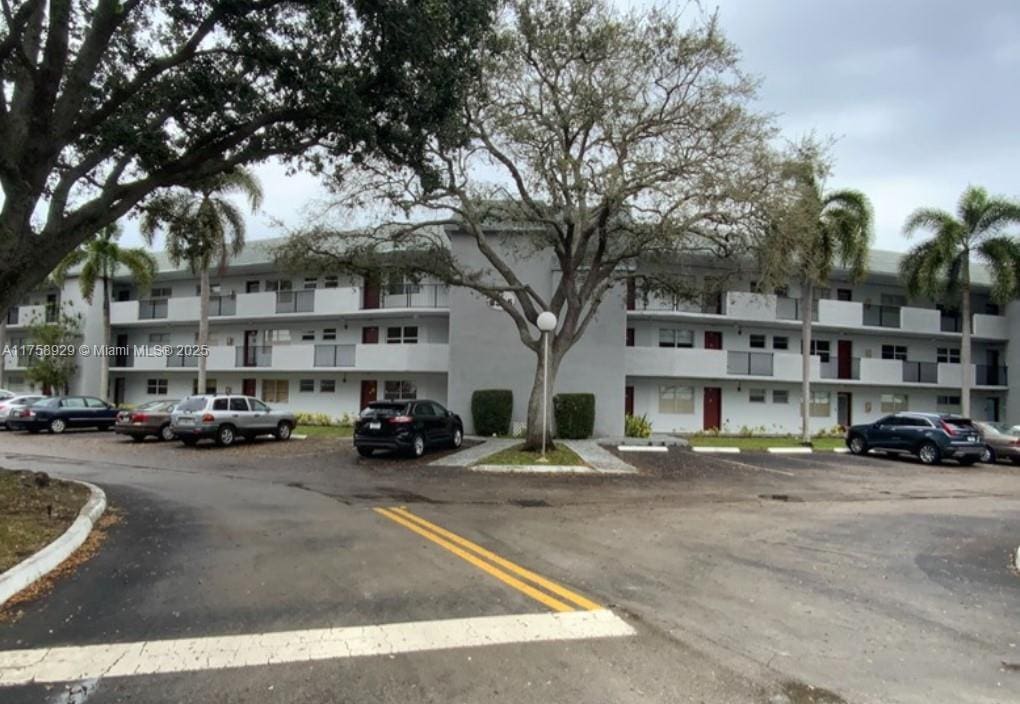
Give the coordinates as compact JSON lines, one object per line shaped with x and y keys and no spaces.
{"x":940,"y":267}
{"x":99,"y":259}
{"x":829,"y":228}
{"x":203,"y":227}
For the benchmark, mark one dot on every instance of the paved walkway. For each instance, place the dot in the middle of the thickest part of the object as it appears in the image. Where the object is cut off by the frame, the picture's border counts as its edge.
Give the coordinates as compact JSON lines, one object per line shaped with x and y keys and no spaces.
{"x":598,"y":457}
{"x":469,"y":455}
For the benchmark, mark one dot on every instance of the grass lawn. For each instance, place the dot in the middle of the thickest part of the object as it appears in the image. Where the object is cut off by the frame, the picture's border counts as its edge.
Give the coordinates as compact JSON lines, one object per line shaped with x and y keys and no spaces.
{"x":25,"y":523}
{"x":762,"y":443}
{"x":325,"y":431}
{"x":562,"y":455}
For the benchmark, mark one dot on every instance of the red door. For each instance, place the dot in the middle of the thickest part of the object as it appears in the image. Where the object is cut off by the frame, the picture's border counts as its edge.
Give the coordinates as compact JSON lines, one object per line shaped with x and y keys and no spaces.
{"x":628,"y":400}
{"x":713,"y":408}
{"x":845,"y":359}
{"x":248,"y":387}
{"x":713,"y":341}
{"x":369,"y":391}
{"x":370,"y":294}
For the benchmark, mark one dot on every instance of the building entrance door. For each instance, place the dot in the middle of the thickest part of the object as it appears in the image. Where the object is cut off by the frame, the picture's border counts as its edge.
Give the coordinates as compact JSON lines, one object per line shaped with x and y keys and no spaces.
{"x":369,"y":391}
{"x":844,"y":409}
{"x":713,"y":408}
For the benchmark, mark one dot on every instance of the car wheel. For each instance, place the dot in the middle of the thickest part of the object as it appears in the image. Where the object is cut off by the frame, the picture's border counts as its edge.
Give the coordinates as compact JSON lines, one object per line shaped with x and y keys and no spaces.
{"x":417,"y":446}
{"x":166,"y":433}
{"x":58,"y":425}
{"x":225,"y":436}
{"x":989,"y":456}
{"x":857,"y":445}
{"x":365,"y":451}
{"x":283,"y":431}
{"x":929,"y":453}
{"x":458,"y":438}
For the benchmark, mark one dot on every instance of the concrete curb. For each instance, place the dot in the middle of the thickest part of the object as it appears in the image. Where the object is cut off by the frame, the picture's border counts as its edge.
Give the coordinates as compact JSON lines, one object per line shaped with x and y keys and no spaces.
{"x":790,"y":450}
{"x":26,"y":572}
{"x":713,"y":450}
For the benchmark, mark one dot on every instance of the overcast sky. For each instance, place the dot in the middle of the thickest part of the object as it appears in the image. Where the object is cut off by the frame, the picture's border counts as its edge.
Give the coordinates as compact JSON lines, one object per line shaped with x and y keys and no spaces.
{"x":922,"y":96}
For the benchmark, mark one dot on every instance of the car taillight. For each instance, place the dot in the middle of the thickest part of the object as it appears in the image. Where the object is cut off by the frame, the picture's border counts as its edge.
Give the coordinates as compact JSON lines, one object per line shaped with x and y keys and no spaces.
{"x":208,"y":418}
{"x":139,"y":417}
{"x":948,"y":428}
{"x":401,"y":419}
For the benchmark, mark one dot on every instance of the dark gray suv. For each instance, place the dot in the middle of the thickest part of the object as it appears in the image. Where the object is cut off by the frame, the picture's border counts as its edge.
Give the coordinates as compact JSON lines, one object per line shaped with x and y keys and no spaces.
{"x":932,"y":437}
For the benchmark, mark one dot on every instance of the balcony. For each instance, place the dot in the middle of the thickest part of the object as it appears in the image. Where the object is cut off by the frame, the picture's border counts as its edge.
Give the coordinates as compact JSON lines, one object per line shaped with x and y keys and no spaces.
{"x":253,"y":356}
{"x":335,"y":355}
{"x":295,"y":301}
{"x":881,"y":316}
{"x":920,"y":372}
{"x":672,"y":362}
{"x":791,"y":309}
{"x":222,"y":305}
{"x":153,"y":308}
{"x":986,"y":375}
{"x":182,"y":361}
{"x":414,"y":296}
{"x":841,"y":368}
{"x":750,"y":363}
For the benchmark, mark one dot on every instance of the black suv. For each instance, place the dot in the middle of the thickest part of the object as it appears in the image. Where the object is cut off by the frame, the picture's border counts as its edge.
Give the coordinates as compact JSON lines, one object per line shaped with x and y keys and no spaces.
{"x":408,"y":426}
{"x":932,"y":437}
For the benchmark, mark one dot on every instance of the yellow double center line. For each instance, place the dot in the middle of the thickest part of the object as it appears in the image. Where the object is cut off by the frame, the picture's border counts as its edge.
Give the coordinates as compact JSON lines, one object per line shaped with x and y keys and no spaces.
{"x":491,"y":563}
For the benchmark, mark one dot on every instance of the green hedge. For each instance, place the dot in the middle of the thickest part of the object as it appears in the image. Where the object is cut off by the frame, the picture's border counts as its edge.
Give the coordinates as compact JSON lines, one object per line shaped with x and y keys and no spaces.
{"x":575,"y":415}
{"x":491,"y":410}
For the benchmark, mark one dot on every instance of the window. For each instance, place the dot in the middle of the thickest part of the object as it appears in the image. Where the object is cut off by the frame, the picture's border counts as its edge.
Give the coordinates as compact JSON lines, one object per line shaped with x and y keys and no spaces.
{"x":308,"y":335}
{"x":671,"y":337}
{"x":160,"y":292}
{"x":756,"y":395}
{"x":252,"y":286}
{"x":306,"y":386}
{"x":311,"y":283}
{"x":400,"y":391}
{"x":676,"y":399}
{"x":156,"y":387}
{"x":370,"y":335}
{"x":331,"y":281}
{"x":407,"y":335}
{"x":214,"y":289}
{"x":159,"y":338}
{"x":329,"y":334}
{"x":894,"y":403}
{"x":327,"y":386}
{"x":630,"y":337}
{"x":894,"y":352}
{"x":400,"y":287}
{"x":893,"y":299}
{"x":220,"y":404}
{"x":948,"y":404}
{"x":820,"y":349}
{"x":239,"y":404}
{"x":210,"y":386}
{"x":258,"y":406}
{"x":93,"y":402}
{"x":424,"y":409}
{"x":757,"y":342}
{"x":780,"y":396}
{"x":278,"y":285}
{"x":275,"y":390}
{"x":949,"y":355}
{"x":276,"y":337}
{"x":844,"y":294}
{"x":992,"y":309}
{"x":821,"y":404}
{"x":780,"y":343}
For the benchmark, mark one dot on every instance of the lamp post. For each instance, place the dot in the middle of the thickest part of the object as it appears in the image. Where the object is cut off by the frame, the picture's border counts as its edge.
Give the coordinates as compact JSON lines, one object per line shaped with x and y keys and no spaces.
{"x":546,"y":323}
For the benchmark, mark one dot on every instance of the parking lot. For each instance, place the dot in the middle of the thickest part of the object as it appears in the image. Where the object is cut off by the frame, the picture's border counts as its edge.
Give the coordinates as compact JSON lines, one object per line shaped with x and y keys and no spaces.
{"x":746,"y":577}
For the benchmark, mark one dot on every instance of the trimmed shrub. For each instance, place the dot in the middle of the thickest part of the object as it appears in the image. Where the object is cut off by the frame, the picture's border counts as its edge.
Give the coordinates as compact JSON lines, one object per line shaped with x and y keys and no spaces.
{"x":323,"y":419}
{"x":491,"y":410}
{"x":637,"y":427}
{"x":575,"y":415}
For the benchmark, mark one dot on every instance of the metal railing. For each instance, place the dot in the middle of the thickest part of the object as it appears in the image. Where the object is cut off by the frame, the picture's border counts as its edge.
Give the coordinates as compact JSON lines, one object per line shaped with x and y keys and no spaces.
{"x":222,"y":305}
{"x":253,"y":356}
{"x":791,"y":309}
{"x":123,"y":360}
{"x":335,"y":355}
{"x":750,"y":363}
{"x":182,"y":361}
{"x":987,"y":375}
{"x":920,"y":372}
{"x":950,"y":323}
{"x":832,"y":369}
{"x":415,"y":296}
{"x":295,"y":301}
{"x":153,"y":308}
{"x":881,"y":316}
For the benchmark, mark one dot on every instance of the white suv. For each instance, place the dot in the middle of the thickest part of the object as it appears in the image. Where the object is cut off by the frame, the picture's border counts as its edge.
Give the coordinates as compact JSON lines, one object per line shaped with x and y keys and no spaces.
{"x":226,"y":418}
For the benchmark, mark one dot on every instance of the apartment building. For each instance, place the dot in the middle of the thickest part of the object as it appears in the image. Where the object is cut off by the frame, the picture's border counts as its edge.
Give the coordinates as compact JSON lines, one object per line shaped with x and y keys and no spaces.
{"x":730,"y":361}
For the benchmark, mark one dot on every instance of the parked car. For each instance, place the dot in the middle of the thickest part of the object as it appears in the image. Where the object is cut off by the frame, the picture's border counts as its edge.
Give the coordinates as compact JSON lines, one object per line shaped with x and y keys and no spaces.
{"x":5,"y":394}
{"x":406,"y":426}
{"x":932,"y":437}
{"x":15,"y":403}
{"x":226,"y":418}
{"x":151,"y":418}
{"x":1001,"y":442}
{"x":59,"y":413}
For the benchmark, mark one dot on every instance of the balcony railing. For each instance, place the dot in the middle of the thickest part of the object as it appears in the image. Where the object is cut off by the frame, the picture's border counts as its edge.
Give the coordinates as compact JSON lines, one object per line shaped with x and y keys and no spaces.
{"x":791,"y":309}
{"x":222,"y":305}
{"x":837,"y":368}
{"x":415,"y":296}
{"x":950,"y":323}
{"x":52,"y":312}
{"x":152,"y":308}
{"x":123,"y":360}
{"x":990,"y":376}
{"x":252,"y":356}
{"x":920,"y":372}
{"x":295,"y":301}
{"x":335,"y":355}
{"x":750,"y":363}
{"x":881,"y":316}
{"x":182,"y":361}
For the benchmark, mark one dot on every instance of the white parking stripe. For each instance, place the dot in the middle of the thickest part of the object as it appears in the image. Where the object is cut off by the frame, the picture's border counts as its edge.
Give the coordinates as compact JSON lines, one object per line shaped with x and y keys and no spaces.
{"x":74,"y":663}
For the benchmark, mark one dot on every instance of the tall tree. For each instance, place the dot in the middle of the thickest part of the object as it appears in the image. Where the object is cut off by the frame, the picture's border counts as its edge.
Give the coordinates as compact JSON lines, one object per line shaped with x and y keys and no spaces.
{"x":820,"y":229}
{"x":105,"y":102}
{"x":99,"y":260}
{"x":593,"y":137}
{"x":203,"y":228}
{"x":940,"y":267}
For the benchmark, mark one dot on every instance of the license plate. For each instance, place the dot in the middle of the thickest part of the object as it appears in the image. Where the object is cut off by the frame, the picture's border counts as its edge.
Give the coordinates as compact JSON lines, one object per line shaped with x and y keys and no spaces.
{"x":185,"y":421}
{"x":972,"y":438}
{"x":374,"y":425}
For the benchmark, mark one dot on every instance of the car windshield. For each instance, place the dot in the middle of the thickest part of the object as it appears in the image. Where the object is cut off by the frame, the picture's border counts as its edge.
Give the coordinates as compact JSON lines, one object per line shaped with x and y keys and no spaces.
{"x":384,"y":409}
{"x":1000,"y":428}
{"x":47,"y":402}
{"x":192,"y":404}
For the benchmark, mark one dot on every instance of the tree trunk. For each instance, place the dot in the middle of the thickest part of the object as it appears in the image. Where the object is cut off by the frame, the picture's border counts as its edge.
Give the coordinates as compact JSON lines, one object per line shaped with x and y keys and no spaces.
{"x":104,"y":359}
{"x":965,"y":370}
{"x":533,"y":439}
{"x":203,"y":329}
{"x":807,"y":294}
{"x":3,"y":355}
